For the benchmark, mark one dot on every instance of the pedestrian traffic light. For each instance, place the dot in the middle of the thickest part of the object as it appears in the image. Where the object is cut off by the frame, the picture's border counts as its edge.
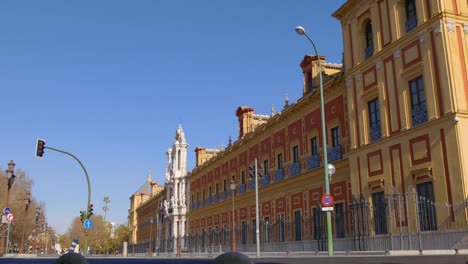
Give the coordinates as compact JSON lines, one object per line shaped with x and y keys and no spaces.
{"x":82,"y":217}
{"x":90,"y":211}
{"x":252,"y":171}
{"x":259,"y":170}
{"x":40,"y":145}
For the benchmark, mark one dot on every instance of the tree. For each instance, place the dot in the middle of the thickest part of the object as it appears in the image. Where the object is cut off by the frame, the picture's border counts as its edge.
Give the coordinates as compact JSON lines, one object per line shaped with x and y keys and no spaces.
{"x":105,"y":208}
{"x":24,"y":232}
{"x":97,"y":235}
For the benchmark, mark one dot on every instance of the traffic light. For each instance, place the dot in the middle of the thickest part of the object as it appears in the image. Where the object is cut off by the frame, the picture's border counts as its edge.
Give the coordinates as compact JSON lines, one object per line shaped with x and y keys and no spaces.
{"x":90,"y":211}
{"x":82,"y":217}
{"x":260,"y":170}
{"x":40,"y":145}
{"x":252,"y":171}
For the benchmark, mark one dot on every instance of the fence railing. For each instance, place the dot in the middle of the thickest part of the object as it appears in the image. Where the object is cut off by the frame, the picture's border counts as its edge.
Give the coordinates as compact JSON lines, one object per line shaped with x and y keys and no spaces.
{"x":394,"y":221}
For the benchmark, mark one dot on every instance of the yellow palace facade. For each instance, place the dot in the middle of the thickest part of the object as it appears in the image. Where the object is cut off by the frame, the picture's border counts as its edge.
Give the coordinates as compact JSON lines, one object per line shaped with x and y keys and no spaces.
{"x":396,"y":112}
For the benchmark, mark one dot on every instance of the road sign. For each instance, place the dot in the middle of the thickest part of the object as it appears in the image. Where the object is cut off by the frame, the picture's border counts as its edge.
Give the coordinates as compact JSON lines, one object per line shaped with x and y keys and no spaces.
{"x":6,"y":210}
{"x":10,"y":217}
{"x":324,"y":209}
{"x":327,"y":200}
{"x":88,"y":223}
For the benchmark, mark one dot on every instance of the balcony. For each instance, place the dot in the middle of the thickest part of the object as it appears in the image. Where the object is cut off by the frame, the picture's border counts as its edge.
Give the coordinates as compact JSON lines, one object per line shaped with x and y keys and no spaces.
{"x":223,"y":196}
{"x":313,"y":162}
{"x":419,"y":115}
{"x":208,"y":201}
{"x":375,"y":132}
{"x":242,"y":188}
{"x":279,"y":175}
{"x":334,"y":153}
{"x":369,"y":51}
{"x":252,"y":185}
{"x":265,"y":180}
{"x":216,"y":198}
{"x":202,"y":203}
{"x":411,"y":23}
{"x":295,"y":169}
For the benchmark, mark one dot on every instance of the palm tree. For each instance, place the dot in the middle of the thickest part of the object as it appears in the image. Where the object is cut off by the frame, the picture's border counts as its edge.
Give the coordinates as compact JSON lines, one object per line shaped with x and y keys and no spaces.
{"x":105,"y":208}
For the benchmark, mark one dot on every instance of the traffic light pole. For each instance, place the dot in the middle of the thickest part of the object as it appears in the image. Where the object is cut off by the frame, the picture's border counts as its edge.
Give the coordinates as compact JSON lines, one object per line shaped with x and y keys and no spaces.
{"x":89,"y":191}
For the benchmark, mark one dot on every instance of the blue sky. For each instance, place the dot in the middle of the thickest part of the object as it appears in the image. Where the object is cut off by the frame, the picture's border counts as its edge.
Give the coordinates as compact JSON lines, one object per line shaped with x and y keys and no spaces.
{"x":110,"y":81}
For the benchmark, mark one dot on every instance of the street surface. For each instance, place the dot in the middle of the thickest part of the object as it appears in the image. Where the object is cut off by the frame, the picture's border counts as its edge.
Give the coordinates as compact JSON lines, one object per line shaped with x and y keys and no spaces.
{"x":436,"y":259}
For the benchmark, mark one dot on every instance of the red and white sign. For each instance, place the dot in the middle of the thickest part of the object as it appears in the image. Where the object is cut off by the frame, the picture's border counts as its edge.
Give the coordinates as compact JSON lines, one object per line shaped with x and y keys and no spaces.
{"x":10,"y":217}
{"x":327,"y":200}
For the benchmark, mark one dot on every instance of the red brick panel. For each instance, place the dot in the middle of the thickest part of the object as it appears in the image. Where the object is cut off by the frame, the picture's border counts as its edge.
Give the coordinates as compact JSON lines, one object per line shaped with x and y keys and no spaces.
{"x":253,"y":153}
{"x":280,"y":205}
{"x":313,"y":121}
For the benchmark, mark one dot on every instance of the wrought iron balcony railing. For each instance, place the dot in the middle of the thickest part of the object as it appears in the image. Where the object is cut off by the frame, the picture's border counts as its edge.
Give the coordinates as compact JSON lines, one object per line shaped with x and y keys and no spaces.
{"x":295,"y":169}
{"x":313,"y":162}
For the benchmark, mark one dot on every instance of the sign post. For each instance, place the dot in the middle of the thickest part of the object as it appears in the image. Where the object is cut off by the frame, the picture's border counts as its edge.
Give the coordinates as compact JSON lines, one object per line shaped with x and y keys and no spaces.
{"x":9,"y":217}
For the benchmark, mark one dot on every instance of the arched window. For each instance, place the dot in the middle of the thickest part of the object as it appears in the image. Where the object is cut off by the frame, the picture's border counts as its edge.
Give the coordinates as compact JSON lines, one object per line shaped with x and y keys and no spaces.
{"x":411,"y":17}
{"x":369,"y":40}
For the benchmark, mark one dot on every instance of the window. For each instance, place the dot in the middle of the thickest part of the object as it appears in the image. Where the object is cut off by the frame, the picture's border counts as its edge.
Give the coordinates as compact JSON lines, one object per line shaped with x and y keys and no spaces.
{"x":379,"y":209}
{"x":374,"y":120}
{"x":281,"y":231}
{"x":203,"y":195}
{"x":318,"y":223}
{"x":308,"y":81}
{"x":224,"y":185}
{"x":217,"y":188}
{"x":313,"y":146}
{"x":418,"y":101}
{"x":224,"y":234}
{"x":244,"y":232}
{"x":426,"y":207}
{"x":295,"y":154}
{"x":369,"y":51}
{"x":178,"y":159}
{"x":209,"y":191}
{"x":298,"y":225}
{"x":254,"y":228}
{"x":335,"y":136}
{"x":411,"y":17}
{"x":242,"y":177}
{"x":280,"y":161}
{"x":265,"y":167}
{"x":339,"y":220}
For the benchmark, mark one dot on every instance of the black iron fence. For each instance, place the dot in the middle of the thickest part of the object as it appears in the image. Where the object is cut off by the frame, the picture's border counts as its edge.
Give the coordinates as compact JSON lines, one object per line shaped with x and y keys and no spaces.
{"x":392,"y":221}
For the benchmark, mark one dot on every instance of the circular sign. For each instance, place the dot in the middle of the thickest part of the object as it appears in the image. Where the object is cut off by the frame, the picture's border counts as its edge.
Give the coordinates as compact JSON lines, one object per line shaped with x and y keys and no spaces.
{"x":10,"y":217}
{"x":6,"y":210}
{"x":327,"y":200}
{"x":88,"y":223}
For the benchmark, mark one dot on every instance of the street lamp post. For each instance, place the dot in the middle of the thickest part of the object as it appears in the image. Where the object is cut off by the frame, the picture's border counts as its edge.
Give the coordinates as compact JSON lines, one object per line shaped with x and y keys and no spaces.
{"x":233,"y":231}
{"x":27,"y":201}
{"x":301,"y":31}
{"x":10,"y":177}
{"x":151,"y":238}
{"x":257,"y":231}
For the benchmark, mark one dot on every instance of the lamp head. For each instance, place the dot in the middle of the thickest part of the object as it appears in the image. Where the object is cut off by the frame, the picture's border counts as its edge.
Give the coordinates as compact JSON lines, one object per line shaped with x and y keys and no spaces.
{"x":300,"y":30}
{"x":232,"y":185}
{"x":331,"y":169}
